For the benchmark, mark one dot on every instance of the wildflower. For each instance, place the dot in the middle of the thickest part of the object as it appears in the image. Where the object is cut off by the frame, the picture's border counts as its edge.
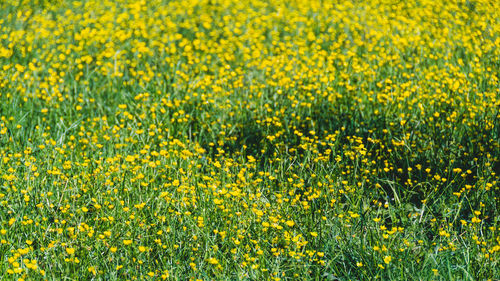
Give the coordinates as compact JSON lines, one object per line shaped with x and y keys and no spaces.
{"x":213,"y":261}
{"x":387,"y":259}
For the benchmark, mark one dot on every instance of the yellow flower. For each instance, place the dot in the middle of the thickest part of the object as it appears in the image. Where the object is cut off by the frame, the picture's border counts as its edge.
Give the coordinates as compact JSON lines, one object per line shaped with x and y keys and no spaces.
{"x":127,"y":242}
{"x":387,"y":259}
{"x":70,"y":251}
{"x":165,"y":275}
{"x":213,"y":261}
{"x":130,"y":158}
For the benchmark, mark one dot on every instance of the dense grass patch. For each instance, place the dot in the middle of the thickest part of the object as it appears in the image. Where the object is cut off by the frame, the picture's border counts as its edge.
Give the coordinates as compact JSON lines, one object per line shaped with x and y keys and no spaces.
{"x":253,"y":140}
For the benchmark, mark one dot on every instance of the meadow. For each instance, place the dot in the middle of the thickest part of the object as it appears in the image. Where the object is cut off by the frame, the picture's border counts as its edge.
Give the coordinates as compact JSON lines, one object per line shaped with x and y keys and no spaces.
{"x":249,"y":140}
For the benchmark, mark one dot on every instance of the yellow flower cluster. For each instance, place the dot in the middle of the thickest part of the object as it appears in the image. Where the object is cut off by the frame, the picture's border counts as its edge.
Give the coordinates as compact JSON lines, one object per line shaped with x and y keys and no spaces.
{"x":262,"y":140}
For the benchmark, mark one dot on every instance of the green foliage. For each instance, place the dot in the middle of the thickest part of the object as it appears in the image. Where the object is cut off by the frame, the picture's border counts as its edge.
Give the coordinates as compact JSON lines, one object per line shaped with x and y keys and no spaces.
{"x":253,"y":140}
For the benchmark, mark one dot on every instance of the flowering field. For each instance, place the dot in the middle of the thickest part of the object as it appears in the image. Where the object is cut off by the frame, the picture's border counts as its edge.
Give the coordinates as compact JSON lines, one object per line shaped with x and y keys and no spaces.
{"x":249,"y":140}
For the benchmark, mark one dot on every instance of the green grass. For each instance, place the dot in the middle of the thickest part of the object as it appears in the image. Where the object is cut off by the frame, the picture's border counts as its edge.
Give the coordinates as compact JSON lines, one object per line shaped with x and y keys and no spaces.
{"x":254,"y":140}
